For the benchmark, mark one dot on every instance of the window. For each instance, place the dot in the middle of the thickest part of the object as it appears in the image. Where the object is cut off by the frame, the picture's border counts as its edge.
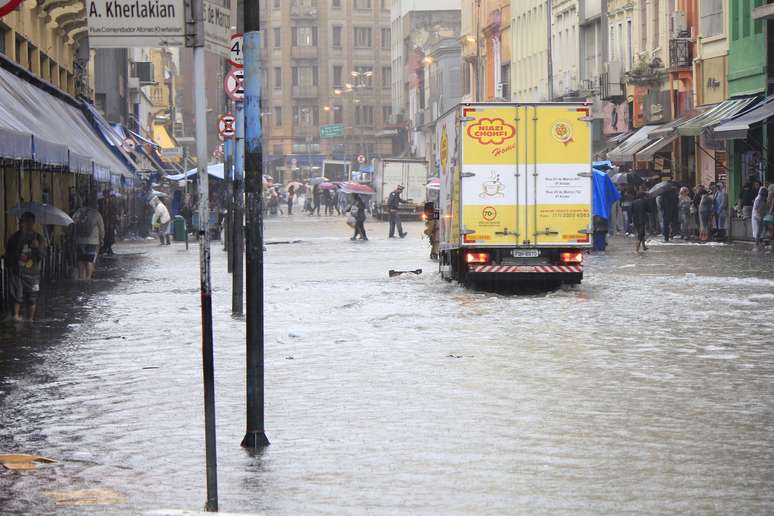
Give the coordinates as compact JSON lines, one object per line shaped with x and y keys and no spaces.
{"x":306,"y":116}
{"x":336,"y":37}
{"x":364,"y":116}
{"x":304,"y":36}
{"x":362,"y":4}
{"x":363,"y":77}
{"x":386,"y":114}
{"x":336,"y":4}
{"x":337,"y":75}
{"x":386,"y":39}
{"x":612,"y":43}
{"x":278,"y":116}
{"x":338,"y":114}
{"x":277,"y":37}
{"x":747,"y":18}
{"x":711,"y":23}
{"x":305,"y":76}
{"x":363,"y":37}
{"x":386,"y":76}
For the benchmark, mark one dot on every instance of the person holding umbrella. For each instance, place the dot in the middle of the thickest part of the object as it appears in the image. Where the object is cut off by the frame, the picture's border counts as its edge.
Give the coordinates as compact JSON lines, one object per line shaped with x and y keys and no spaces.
{"x":357,"y":209}
{"x":24,"y":253}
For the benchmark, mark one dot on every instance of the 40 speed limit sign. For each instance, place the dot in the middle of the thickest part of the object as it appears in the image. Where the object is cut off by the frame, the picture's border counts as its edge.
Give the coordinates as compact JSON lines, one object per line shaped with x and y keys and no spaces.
{"x":6,"y":6}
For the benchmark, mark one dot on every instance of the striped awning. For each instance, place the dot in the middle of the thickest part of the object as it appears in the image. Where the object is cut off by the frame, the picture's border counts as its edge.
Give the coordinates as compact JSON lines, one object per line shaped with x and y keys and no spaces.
{"x":647,"y":153}
{"x":736,"y":128}
{"x":627,"y":150}
{"x":712,"y":117}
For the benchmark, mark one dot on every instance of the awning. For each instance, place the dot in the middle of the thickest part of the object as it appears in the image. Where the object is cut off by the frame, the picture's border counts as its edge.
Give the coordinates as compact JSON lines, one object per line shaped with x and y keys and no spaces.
{"x":215,"y":170}
{"x":626,"y":151}
{"x":669,"y":129}
{"x":713,"y":116}
{"x":620,"y":138}
{"x":648,"y":152}
{"x":55,"y":125}
{"x":162,"y":138}
{"x":736,"y":129}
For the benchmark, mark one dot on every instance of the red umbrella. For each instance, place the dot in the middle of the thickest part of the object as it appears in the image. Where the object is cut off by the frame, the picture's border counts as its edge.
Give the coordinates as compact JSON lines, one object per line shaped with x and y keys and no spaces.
{"x":357,"y":188}
{"x":327,"y":186}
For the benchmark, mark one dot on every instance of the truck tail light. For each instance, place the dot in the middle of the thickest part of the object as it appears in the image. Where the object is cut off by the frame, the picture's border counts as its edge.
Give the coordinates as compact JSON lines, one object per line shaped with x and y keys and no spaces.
{"x":477,"y":257}
{"x":572,"y":257}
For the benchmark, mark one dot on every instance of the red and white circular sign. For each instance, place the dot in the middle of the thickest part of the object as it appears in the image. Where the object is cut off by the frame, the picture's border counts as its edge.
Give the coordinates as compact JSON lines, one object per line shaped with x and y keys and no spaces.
{"x":236,"y":58}
{"x":361,"y":159}
{"x":227,"y":125}
{"x":234,"y":84}
{"x":6,"y":6}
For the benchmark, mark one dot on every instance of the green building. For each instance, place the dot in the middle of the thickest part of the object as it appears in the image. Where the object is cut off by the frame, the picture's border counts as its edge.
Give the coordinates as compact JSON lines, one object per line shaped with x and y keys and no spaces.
{"x":749,"y":73}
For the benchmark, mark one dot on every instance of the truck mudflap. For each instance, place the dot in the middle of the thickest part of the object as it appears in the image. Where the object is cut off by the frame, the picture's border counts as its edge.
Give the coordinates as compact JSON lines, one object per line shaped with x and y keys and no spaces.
{"x":530,"y":269}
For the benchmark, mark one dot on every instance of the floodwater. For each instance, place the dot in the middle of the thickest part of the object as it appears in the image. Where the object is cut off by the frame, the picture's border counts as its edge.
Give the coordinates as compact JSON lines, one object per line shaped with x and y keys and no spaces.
{"x":649,"y":389}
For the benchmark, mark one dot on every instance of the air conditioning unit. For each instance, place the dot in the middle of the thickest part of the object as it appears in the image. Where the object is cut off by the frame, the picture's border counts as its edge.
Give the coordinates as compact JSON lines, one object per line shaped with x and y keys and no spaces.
{"x":499,"y":90}
{"x":679,"y":24}
{"x":144,"y":72}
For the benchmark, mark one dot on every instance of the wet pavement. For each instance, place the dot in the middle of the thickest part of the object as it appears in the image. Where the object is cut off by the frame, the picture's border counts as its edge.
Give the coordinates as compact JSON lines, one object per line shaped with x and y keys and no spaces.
{"x":649,"y":389}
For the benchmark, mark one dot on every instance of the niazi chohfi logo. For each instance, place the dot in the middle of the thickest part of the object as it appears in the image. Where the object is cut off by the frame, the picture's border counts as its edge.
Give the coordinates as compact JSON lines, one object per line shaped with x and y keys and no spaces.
{"x":491,"y":131}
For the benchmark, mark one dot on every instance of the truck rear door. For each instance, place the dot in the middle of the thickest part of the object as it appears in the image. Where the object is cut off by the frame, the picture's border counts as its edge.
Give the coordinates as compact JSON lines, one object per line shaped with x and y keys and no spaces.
{"x":553,"y":158}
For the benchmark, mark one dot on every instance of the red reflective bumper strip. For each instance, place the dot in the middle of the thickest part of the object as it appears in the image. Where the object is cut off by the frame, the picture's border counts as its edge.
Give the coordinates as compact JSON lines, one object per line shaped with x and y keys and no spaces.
{"x":572,"y":269}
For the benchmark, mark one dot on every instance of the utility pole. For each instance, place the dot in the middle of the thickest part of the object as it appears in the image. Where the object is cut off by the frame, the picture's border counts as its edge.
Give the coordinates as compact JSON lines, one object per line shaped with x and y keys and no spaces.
{"x":255,"y":437}
{"x":196,"y":22}
{"x":237,"y":221}
{"x":549,"y":50}
{"x":228,"y":197}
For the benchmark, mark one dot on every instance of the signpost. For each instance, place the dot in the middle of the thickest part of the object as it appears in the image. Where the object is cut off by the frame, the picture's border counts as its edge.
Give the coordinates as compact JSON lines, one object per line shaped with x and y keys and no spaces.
{"x":135,"y":24}
{"x":6,"y":6}
{"x":332,"y":131}
{"x":234,"y":84}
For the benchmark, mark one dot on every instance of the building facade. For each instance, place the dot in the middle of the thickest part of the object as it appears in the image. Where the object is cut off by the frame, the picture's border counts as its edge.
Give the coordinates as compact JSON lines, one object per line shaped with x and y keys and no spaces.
{"x":486,"y":51}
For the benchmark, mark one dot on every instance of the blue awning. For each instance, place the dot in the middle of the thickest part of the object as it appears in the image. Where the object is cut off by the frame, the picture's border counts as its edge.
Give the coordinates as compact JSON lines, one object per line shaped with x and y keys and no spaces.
{"x":56,"y":124}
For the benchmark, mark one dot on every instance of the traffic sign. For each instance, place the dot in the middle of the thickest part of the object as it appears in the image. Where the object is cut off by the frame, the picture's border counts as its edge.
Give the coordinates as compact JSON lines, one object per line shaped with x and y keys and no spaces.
{"x":332,"y":131}
{"x":234,"y":84}
{"x":361,"y":159}
{"x":236,"y":58}
{"x":6,"y":6}
{"x":135,"y":24}
{"x":227,"y":125}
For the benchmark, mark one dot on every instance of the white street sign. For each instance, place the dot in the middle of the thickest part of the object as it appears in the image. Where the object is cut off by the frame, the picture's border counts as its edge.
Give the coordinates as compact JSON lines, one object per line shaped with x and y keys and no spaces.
{"x":237,"y":58}
{"x":135,"y":23}
{"x":234,"y":84}
{"x":218,"y":20}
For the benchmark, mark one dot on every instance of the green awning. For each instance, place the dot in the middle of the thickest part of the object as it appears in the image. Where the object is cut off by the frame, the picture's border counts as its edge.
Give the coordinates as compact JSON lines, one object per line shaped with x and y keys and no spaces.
{"x":726,"y":109}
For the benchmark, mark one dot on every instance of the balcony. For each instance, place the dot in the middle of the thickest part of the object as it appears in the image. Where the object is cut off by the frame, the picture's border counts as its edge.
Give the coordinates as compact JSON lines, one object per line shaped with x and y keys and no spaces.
{"x":305,"y":92}
{"x":304,"y":10}
{"x":680,"y":53}
{"x":303,"y":52}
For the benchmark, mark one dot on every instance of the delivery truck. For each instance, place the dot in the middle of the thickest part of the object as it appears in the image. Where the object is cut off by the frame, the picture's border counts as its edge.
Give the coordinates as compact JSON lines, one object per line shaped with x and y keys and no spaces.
{"x":337,"y":170}
{"x":411,"y":173}
{"x":516,"y":193}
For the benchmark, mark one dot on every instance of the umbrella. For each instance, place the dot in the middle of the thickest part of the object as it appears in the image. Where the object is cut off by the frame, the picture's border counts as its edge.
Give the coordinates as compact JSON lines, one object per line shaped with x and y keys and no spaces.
{"x":327,"y":186}
{"x":661,"y":188}
{"x":317,"y":180}
{"x":45,"y":214}
{"x":356,"y":188}
{"x":627,"y":178}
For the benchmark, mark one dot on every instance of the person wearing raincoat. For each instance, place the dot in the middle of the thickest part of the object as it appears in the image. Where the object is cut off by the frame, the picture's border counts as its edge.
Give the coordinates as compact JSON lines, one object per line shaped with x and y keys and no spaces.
{"x":759,"y":211}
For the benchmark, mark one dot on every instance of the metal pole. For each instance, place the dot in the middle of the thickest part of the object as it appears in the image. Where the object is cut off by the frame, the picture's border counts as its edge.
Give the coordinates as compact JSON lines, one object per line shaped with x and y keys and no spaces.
{"x":255,"y":436}
{"x":237,"y":280}
{"x":185,"y":181}
{"x":200,"y":114}
{"x":228,"y":197}
{"x":549,"y":50}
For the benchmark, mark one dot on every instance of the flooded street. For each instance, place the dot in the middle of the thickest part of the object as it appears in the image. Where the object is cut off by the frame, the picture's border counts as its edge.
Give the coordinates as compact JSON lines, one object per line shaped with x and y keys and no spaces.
{"x":649,"y":389}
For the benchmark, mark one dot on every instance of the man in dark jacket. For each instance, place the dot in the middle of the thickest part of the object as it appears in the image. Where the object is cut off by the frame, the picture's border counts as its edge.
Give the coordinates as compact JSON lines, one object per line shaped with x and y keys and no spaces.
{"x":393,"y":203}
{"x":24,"y":255}
{"x":640,"y":212}
{"x":669,"y":202}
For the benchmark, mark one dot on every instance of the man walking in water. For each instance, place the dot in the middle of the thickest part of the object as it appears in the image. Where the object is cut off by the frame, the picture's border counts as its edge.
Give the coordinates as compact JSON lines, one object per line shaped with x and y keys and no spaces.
{"x":393,"y":203}
{"x":24,"y":255}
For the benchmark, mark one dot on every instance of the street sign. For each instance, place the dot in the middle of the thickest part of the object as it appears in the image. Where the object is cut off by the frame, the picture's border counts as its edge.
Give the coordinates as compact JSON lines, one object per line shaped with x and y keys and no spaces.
{"x":6,"y":6}
{"x":237,"y":58}
{"x":361,"y":159}
{"x":332,"y":131}
{"x":218,"y":20}
{"x":115,"y":24}
{"x":234,"y":84}
{"x":227,"y":125}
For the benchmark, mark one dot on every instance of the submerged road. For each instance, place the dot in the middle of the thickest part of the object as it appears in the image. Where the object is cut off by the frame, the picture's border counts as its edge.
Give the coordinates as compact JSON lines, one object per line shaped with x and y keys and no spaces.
{"x":649,"y":389}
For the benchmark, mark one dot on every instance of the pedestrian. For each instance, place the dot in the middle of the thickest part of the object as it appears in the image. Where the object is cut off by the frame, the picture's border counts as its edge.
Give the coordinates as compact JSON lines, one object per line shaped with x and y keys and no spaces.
{"x":327,"y":199}
{"x":316,"y":200}
{"x":160,"y":221}
{"x":601,"y":226}
{"x":90,"y":234}
{"x":358,"y":211}
{"x":107,"y":209}
{"x":669,"y":213}
{"x":721,"y":210}
{"x":393,"y":204}
{"x":627,"y":197}
{"x":24,"y":254}
{"x":706,"y":208}
{"x":641,"y":208}
{"x":291,"y":194}
{"x":431,"y":228}
{"x":747,"y":198}
{"x":685,"y":210}
{"x":759,"y":212}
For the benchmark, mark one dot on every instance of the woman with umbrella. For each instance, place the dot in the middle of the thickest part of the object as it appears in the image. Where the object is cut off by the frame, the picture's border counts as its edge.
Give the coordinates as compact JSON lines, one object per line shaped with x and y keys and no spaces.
{"x":358,"y":210}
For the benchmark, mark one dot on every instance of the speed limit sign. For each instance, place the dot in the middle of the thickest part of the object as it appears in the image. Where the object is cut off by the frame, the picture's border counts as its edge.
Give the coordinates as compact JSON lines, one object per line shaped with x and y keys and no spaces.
{"x":236,"y":58}
{"x":6,"y":6}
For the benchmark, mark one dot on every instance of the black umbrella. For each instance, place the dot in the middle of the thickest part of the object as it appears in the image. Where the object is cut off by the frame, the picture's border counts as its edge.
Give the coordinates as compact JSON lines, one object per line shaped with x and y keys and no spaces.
{"x":626,"y":178}
{"x":661,"y":188}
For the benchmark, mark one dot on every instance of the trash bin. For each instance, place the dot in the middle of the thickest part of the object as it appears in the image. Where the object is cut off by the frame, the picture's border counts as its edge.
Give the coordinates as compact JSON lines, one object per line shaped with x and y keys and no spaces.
{"x":179,"y":228}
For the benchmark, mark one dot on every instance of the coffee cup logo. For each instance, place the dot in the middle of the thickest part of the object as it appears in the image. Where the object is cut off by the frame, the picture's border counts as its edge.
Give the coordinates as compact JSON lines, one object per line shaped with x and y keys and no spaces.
{"x":561,"y":131}
{"x":491,"y":131}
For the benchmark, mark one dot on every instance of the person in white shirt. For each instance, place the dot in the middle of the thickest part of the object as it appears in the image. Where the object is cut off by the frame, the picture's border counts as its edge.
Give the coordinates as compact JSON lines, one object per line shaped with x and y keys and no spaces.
{"x":161,"y":220}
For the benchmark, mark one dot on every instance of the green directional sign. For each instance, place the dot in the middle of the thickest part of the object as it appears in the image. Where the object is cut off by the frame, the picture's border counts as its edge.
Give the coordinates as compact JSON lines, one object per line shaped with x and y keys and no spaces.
{"x":332,"y":131}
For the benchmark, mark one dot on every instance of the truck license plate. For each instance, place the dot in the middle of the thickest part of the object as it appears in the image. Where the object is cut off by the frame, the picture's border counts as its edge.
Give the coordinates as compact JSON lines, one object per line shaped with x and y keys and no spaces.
{"x":528,"y":253}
